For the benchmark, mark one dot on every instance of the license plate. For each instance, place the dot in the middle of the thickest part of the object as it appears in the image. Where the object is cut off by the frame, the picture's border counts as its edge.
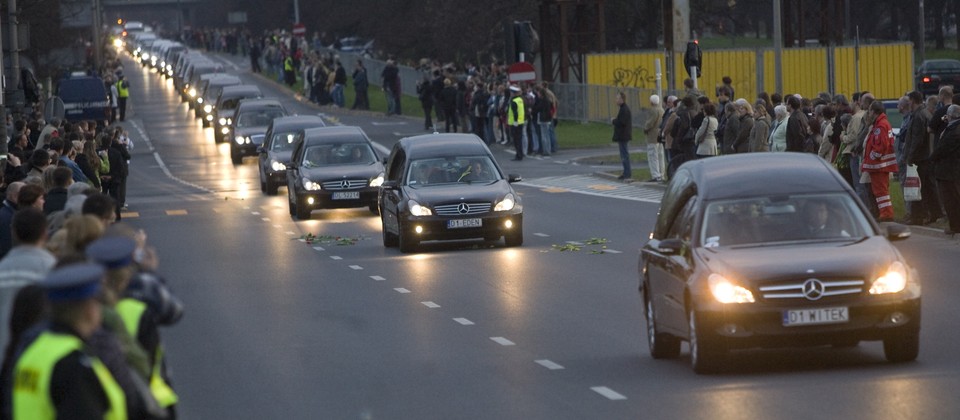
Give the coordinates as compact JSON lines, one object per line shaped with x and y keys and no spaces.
{"x":349,"y":195}
{"x":816,"y":316}
{"x":464,"y":223}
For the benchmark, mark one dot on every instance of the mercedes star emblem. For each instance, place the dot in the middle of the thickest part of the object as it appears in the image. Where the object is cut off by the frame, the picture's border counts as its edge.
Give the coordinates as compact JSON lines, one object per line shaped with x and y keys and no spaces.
{"x":463,"y":208}
{"x":813,"y":289}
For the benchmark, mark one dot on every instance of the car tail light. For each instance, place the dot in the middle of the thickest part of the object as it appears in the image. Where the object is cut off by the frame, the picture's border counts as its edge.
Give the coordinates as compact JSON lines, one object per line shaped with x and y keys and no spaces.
{"x":926,"y":80}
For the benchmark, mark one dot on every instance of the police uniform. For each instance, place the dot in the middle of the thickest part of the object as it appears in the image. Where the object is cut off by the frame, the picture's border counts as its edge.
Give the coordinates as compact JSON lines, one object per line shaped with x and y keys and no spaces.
{"x":54,"y":376}
{"x":123,"y":92}
{"x":516,"y":119}
{"x":116,"y":252}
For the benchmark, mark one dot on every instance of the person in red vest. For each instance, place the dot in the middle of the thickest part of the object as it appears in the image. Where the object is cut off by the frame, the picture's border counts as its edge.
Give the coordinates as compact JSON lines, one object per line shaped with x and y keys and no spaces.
{"x":879,"y":159}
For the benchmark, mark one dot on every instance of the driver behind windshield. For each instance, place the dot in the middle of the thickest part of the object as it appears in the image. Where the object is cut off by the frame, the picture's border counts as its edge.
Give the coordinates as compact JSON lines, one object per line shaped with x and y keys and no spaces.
{"x":817,"y":222}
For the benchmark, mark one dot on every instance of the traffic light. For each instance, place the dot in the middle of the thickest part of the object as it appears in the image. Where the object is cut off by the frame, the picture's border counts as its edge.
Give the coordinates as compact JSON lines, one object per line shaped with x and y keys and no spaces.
{"x":693,"y":58}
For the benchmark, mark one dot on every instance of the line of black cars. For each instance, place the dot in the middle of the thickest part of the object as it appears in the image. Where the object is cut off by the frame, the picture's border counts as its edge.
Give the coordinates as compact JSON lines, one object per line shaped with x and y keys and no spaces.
{"x":432,"y":187}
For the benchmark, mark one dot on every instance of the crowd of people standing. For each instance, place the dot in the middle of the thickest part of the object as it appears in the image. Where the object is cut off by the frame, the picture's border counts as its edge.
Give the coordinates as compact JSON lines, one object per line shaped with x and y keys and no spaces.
{"x":854,"y":136}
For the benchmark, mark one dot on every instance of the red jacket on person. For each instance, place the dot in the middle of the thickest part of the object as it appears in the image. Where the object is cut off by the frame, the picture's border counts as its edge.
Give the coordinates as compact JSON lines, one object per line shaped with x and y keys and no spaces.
{"x":878,"y":153}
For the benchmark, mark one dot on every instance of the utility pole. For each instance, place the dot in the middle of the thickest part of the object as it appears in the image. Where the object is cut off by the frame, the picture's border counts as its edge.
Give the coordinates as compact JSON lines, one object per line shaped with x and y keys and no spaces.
{"x":778,"y":44}
{"x":3,"y":110}
{"x":97,"y":47}
{"x":14,"y":77}
{"x":923,"y":33}
{"x":296,"y":11}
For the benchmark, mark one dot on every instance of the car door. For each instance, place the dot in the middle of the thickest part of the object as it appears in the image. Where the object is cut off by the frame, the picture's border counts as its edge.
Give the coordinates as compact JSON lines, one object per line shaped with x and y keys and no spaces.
{"x":262,"y":154}
{"x":293,"y":171}
{"x":390,"y":197}
{"x":670,"y":266}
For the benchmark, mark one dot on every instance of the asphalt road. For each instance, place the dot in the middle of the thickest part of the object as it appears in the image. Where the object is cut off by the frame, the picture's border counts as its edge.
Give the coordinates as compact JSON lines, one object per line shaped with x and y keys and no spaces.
{"x":278,"y":328}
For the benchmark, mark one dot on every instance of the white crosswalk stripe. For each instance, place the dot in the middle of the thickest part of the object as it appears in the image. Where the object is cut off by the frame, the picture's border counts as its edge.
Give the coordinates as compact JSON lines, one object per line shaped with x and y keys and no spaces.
{"x":591,"y":185}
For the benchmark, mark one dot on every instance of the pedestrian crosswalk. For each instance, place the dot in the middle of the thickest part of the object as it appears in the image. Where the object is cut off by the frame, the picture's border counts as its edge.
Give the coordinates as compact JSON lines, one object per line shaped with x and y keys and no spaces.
{"x":591,"y":185}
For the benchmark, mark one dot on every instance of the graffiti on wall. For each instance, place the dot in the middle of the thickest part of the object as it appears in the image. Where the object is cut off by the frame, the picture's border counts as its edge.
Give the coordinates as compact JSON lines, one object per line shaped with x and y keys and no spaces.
{"x":638,"y":77}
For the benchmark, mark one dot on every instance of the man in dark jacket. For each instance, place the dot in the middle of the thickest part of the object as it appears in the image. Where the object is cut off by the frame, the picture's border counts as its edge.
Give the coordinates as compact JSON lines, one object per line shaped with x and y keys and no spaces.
{"x":623,"y":133}
{"x":946,"y":160}
{"x":7,"y":209}
{"x":916,"y":150}
{"x":797,"y":125}
{"x":114,"y":180}
{"x":56,"y":197}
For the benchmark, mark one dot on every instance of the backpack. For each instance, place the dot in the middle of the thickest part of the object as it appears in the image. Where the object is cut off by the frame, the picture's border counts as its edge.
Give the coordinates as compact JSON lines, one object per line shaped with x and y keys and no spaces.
{"x":104,"y":162}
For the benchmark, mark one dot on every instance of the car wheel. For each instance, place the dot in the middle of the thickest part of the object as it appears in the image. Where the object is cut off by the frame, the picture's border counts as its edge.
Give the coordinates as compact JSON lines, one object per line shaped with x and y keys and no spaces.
{"x":661,"y":346}
{"x":270,"y":187}
{"x":389,"y":240}
{"x":263,"y":184}
{"x":206,"y":123}
{"x":902,"y":347}
{"x":408,"y":243}
{"x":293,"y":209}
{"x":374,"y":209}
{"x":235,"y":156}
{"x":705,"y":355}
{"x":303,"y":212}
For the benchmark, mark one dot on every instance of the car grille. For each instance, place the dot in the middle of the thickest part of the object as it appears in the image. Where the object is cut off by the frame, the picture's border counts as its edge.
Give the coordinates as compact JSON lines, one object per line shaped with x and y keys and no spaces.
{"x":345,"y":184}
{"x":461,"y":209}
{"x":811,"y":291}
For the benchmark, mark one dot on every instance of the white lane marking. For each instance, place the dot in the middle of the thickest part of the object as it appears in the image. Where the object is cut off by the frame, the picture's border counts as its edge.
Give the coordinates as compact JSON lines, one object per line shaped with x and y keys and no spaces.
{"x":356,"y":267}
{"x":377,"y":278}
{"x":265,"y":219}
{"x":542,"y":235}
{"x":388,"y":123}
{"x":246,"y":207}
{"x":255,"y":213}
{"x":277,"y":226}
{"x":502,"y":341}
{"x":430,"y":305}
{"x":318,"y":248}
{"x":548,"y":364}
{"x":163,"y":166}
{"x":401,"y":290}
{"x":574,"y":243}
{"x":334,"y":257}
{"x":612,"y":251}
{"x":302,"y":240}
{"x":607,"y":392}
{"x":463,"y":321}
{"x":290,"y":233}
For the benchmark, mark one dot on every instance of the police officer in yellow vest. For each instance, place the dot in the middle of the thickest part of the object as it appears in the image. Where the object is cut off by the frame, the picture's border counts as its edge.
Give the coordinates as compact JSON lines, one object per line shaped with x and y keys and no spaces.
{"x":516,"y":118}
{"x":54,"y":377}
{"x":116,"y":254}
{"x":123,"y":92}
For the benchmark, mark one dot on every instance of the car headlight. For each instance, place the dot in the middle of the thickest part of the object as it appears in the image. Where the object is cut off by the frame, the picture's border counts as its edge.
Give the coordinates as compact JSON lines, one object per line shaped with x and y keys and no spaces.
{"x":199,"y":100}
{"x":241,"y":139}
{"x":725,"y":291}
{"x":893,"y":281}
{"x":222,"y":121}
{"x":506,"y":204}
{"x":311,"y":186}
{"x":192,"y":92}
{"x":378,"y":181}
{"x":208,"y":108}
{"x":145,"y":56}
{"x":278,"y":166}
{"x":417,"y":210}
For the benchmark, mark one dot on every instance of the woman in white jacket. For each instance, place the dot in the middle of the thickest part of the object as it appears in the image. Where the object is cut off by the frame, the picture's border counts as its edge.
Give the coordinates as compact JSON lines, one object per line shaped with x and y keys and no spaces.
{"x":706,"y":137}
{"x":778,"y":137}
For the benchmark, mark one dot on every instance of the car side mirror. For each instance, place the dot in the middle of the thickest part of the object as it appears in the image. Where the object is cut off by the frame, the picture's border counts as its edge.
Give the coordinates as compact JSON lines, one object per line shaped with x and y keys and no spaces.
{"x":383,"y":161}
{"x":390,"y":185}
{"x":261,"y":150}
{"x":514,"y":178}
{"x":671,"y":246}
{"x":897,"y":232}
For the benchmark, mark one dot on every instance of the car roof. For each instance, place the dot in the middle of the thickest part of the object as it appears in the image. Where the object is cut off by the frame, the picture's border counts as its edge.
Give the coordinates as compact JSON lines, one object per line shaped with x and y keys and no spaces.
{"x":759,"y":174}
{"x":297,"y":122}
{"x":436,"y":145}
{"x":240,"y":89}
{"x":220,"y":78}
{"x":326,"y":134}
{"x":259,"y":103}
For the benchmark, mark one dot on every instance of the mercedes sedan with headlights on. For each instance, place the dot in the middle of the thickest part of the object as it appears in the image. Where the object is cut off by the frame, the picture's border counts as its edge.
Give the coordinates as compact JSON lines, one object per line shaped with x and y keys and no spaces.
{"x":447,"y":186}
{"x":333,"y":167}
{"x":249,"y":127}
{"x":767,"y":250}
{"x":282,"y":136}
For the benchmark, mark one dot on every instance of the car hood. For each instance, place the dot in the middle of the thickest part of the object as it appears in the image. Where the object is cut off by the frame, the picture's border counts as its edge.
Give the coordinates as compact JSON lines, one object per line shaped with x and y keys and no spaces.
{"x":332,"y":173}
{"x":280,"y":156}
{"x":457,"y":193}
{"x":226,"y":113}
{"x":251,"y":131}
{"x":847,"y":259}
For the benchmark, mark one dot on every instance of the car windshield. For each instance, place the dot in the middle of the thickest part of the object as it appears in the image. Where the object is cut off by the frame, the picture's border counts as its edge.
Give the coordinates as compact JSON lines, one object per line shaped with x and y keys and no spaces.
{"x":338,"y":154}
{"x":451,"y":170}
{"x":283,"y":142}
{"x":258,"y":118}
{"x":228,"y":104}
{"x":782,"y":219}
{"x":943,"y":65}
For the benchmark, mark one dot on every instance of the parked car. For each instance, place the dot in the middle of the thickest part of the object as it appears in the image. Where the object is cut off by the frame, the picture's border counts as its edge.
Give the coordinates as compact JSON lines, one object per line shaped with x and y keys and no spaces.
{"x":932,"y":74}
{"x":226,"y":106}
{"x":333,"y":167}
{"x":447,"y":186}
{"x":253,"y":116}
{"x":84,"y":97}
{"x":773,"y":250}
{"x":282,"y":136}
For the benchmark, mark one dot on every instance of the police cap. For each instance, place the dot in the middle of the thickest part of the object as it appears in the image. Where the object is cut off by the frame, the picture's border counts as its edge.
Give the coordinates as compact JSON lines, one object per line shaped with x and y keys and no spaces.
{"x":74,"y":282}
{"x":112,"y":251}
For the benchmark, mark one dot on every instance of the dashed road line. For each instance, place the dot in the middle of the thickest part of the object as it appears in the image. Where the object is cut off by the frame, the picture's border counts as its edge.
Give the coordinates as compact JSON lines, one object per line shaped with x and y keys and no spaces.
{"x":318,"y":248}
{"x":607,"y":392}
{"x":176,"y":212}
{"x":542,"y":235}
{"x":463,"y":321}
{"x":290,"y":233}
{"x":377,"y":278}
{"x":401,"y":290}
{"x":502,"y":341}
{"x":356,"y":267}
{"x":612,"y":251}
{"x":265,"y":219}
{"x":255,"y":213}
{"x":163,"y":166}
{"x":430,"y":305}
{"x":129,"y":215}
{"x":277,"y":226}
{"x":575,"y":243}
{"x":336,"y":257}
{"x":548,"y":364}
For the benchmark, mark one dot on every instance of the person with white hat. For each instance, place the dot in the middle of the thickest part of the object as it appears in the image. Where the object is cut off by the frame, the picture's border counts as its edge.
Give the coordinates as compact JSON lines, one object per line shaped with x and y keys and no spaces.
{"x":654,"y":148}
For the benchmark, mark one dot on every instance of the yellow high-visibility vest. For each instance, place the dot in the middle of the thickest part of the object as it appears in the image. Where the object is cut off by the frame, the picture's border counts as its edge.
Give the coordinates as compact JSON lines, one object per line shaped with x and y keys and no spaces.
{"x":131,"y":311}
